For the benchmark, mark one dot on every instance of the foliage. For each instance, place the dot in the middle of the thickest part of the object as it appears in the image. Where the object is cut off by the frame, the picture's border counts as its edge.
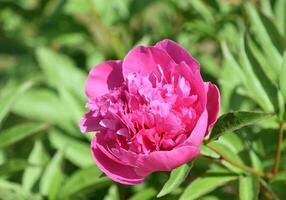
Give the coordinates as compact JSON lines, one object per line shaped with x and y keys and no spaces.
{"x":47,"y":48}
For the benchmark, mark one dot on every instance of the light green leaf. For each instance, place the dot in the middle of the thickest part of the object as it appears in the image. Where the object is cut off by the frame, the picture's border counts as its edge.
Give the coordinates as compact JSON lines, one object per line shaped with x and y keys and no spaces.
{"x":12,"y":166}
{"x":45,"y":105}
{"x":207,"y":183}
{"x":81,"y":180}
{"x":19,"y":132}
{"x":280,"y":15}
{"x":263,"y":37}
{"x":71,"y":103}
{"x":11,"y":97}
{"x":282,"y":78}
{"x":112,"y":194}
{"x":252,"y":83}
{"x":52,"y":177}
{"x":39,"y":158}
{"x":177,"y":176}
{"x":248,"y":187}
{"x":76,"y":151}
{"x":235,"y":120}
{"x":146,"y":194}
{"x":61,"y":71}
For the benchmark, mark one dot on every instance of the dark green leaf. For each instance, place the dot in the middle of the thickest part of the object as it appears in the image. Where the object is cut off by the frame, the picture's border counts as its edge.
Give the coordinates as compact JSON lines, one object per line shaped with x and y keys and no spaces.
{"x":235,"y":120}
{"x":13,"y":166}
{"x":12,"y":96}
{"x":87,"y":177}
{"x":19,"y":132}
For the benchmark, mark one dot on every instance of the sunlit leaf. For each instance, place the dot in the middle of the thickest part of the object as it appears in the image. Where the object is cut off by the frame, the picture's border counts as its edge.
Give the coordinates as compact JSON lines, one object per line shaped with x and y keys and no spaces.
{"x":248,"y":187}
{"x":38,"y":157}
{"x":206,"y":183}
{"x":52,"y":178}
{"x":76,"y":151}
{"x":177,"y":176}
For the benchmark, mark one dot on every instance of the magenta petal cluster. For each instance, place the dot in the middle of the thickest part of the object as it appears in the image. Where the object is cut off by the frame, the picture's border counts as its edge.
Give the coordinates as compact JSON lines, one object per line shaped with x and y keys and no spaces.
{"x":150,"y":111}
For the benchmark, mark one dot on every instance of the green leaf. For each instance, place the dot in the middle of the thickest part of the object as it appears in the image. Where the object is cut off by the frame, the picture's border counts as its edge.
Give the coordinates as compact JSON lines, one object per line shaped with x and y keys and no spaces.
{"x":282,"y":78}
{"x":7,"y":101}
{"x":146,"y":194}
{"x":44,"y":105}
{"x":52,"y":178}
{"x":19,"y":132}
{"x":253,"y":85}
{"x":207,"y":183}
{"x":248,"y":187}
{"x":83,"y":179}
{"x":112,"y":194}
{"x":177,"y":176}
{"x":76,"y":151}
{"x":12,"y":166}
{"x":39,"y":158}
{"x":61,"y":71}
{"x":263,"y":37}
{"x":280,"y":13}
{"x":235,"y":120}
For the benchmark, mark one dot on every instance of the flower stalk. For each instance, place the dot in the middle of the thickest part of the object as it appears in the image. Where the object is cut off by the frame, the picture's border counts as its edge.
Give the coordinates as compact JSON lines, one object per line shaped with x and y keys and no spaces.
{"x":278,"y":149}
{"x":237,"y":164}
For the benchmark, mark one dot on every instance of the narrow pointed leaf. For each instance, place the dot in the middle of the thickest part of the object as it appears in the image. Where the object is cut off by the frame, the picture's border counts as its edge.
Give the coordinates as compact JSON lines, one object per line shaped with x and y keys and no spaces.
{"x":9,"y":99}
{"x":52,"y":178}
{"x":76,"y":151}
{"x":282,"y":78}
{"x":206,"y":183}
{"x":248,"y":187}
{"x":88,"y":178}
{"x":19,"y":132}
{"x":13,"y":166}
{"x":38,"y":157}
{"x":177,"y":176}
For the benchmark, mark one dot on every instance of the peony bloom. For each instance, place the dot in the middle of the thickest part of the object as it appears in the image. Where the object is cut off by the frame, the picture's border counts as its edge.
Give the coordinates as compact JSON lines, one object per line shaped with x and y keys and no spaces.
{"x":151,"y":111}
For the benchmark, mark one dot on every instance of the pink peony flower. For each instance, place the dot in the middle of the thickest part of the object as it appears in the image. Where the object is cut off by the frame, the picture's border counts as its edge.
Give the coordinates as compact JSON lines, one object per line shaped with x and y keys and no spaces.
{"x":151,"y":111}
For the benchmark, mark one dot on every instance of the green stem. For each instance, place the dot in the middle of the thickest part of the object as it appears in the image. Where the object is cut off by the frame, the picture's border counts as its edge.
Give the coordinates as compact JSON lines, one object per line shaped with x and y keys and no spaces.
{"x":278,"y":149}
{"x":234,"y":163}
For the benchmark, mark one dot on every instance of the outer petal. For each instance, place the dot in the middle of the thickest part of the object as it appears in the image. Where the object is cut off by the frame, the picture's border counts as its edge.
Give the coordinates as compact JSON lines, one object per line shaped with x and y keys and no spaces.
{"x":178,"y":53}
{"x":90,"y":123}
{"x":118,"y":172}
{"x":166,"y":160}
{"x":213,"y":104}
{"x":198,"y":133}
{"x":103,"y":77}
{"x":146,"y":60}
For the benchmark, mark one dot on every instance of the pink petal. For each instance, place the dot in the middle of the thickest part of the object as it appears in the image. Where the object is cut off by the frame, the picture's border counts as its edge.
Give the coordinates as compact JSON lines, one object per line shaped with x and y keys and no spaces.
{"x":198,"y":133}
{"x":118,"y":172}
{"x":147,"y":60}
{"x":195,"y":80}
{"x":90,"y":123}
{"x":166,"y":160}
{"x":103,"y":77}
{"x":178,"y":53}
{"x":213,"y":104}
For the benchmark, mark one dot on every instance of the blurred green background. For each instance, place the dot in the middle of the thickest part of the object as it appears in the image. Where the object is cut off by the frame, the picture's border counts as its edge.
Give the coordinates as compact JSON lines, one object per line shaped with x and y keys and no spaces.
{"x":47,"y":48}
